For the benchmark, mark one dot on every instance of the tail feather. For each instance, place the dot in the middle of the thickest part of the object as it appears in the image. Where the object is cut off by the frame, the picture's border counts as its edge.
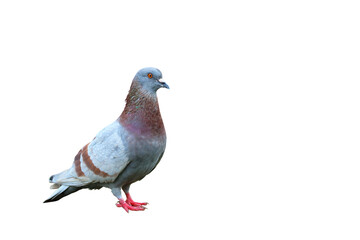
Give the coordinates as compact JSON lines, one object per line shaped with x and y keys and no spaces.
{"x":61,"y":192}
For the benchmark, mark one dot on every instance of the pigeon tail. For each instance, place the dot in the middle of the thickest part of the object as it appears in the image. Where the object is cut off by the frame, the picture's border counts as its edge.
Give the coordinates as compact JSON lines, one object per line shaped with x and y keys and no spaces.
{"x":63,"y":191}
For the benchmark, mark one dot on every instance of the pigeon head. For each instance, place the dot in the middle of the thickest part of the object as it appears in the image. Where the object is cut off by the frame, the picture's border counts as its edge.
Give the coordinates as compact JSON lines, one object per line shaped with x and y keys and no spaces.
{"x":149,"y":79}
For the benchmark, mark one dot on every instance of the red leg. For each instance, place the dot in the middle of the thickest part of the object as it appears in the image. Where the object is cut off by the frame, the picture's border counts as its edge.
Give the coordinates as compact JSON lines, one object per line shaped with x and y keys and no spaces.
{"x":128,"y":207}
{"x":132,"y":203}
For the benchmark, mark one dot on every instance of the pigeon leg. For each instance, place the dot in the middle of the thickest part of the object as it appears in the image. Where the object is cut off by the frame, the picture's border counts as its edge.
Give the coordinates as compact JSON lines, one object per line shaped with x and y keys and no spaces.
{"x":132,"y":202}
{"x":126,"y":189}
{"x":123,"y":204}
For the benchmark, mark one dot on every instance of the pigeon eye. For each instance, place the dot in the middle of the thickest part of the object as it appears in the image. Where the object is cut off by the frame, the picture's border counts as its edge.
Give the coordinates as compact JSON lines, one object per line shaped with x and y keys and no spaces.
{"x":150,"y":75}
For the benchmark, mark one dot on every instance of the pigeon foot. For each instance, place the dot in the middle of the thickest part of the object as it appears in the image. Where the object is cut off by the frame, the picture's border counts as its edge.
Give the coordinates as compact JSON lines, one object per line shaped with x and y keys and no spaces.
{"x":132,"y":202}
{"x":127,"y":207}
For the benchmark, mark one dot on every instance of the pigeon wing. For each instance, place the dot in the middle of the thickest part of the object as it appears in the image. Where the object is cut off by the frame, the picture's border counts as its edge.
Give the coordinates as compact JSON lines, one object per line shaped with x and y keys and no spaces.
{"x":100,"y":161}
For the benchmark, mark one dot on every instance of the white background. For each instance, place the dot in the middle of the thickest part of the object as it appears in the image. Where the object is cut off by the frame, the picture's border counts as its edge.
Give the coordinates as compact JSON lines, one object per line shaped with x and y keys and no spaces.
{"x":262,"y":116}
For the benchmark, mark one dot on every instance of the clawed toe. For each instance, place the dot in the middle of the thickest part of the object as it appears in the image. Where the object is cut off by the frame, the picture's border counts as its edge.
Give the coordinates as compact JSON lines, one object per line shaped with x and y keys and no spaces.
{"x":132,"y":203}
{"x":126,"y":206}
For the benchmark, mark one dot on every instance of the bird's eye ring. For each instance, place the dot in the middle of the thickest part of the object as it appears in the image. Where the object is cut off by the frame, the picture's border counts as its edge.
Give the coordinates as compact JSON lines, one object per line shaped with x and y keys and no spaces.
{"x":150,"y":75}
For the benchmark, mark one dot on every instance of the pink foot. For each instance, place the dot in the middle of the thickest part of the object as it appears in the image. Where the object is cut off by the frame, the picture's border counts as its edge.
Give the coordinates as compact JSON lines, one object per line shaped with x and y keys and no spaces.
{"x":132,"y":203}
{"x":128,"y":207}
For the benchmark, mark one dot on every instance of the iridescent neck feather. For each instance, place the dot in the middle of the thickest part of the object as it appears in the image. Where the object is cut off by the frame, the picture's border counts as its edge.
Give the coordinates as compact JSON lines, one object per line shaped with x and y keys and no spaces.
{"x":141,"y":115}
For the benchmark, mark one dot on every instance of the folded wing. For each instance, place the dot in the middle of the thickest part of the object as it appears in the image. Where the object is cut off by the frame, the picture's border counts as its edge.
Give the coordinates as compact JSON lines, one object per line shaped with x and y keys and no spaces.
{"x":100,"y":161}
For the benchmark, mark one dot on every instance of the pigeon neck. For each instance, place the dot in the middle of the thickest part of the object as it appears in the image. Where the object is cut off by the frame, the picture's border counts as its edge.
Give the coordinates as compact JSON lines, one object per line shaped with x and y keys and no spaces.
{"x":141,"y":114}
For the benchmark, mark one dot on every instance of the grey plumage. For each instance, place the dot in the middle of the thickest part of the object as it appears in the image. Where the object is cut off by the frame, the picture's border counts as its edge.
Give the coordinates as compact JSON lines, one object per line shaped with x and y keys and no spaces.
{"x":125,"y":151}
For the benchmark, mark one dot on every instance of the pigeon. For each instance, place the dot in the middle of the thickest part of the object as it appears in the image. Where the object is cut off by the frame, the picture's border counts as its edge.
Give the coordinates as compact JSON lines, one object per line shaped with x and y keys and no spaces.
{"x":125,"y":151}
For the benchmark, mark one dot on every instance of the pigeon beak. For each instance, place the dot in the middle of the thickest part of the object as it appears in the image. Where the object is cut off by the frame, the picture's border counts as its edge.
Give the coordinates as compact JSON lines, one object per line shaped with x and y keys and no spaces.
{"x":164,"y":85}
